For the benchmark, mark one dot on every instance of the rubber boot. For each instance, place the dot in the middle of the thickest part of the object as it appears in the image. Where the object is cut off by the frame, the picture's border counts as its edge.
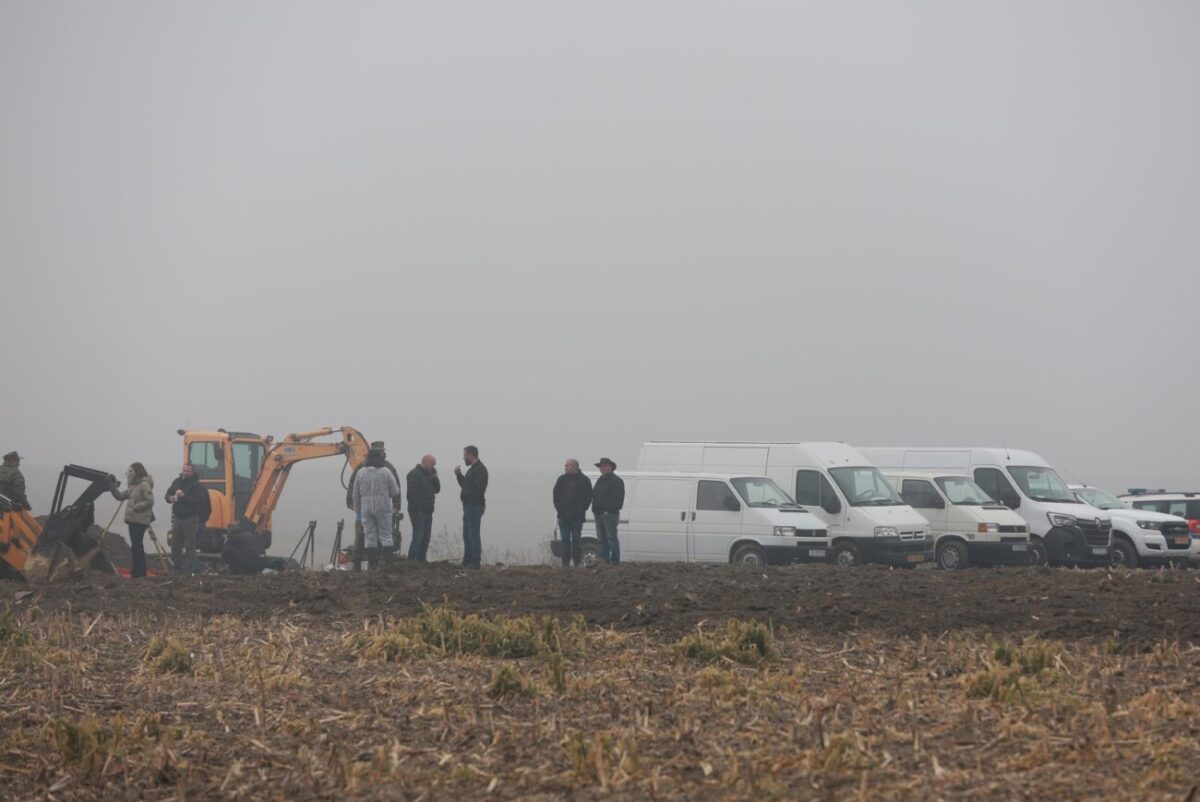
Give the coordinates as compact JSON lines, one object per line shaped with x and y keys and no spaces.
{"x":372,"y":558}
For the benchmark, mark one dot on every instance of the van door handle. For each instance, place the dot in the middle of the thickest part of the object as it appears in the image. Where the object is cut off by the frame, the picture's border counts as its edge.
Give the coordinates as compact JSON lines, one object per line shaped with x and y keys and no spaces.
{"x":693,"y":515}
{"x":683,"y":516}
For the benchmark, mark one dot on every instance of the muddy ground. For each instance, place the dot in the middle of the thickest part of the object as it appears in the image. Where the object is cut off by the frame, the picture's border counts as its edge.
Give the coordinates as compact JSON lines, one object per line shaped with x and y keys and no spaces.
{"x":670,"y":599}
{"x":606,"y":683}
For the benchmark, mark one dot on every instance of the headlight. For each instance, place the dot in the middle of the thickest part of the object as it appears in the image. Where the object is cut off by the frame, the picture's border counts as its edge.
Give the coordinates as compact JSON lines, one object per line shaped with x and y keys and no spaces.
{"x":886,"y":531}
{"x":1155,"y":525}
{"x":989,"y":528}
{"x":1059,"y":519}
{"x":785,"y":531}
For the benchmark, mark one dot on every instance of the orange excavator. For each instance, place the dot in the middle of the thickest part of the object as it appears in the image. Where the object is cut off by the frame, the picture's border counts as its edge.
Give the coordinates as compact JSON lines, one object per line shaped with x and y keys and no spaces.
{"x":245,"y":474}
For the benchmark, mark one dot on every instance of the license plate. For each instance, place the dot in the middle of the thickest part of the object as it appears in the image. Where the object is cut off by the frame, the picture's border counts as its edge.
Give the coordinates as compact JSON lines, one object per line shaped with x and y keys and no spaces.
{"x":1098,"y":552}
{"x":1021,"y":547}
{"x":816,"y":552}
{"x":916,"y":558}
{"x":1180,"y":541}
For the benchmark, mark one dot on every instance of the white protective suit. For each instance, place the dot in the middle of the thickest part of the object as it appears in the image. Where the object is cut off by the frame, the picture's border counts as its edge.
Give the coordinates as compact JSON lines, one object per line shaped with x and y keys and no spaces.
{"x":374,"y":489}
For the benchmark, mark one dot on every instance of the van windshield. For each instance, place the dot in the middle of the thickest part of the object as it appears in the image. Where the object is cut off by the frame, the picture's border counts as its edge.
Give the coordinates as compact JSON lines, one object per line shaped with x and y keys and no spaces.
{"x":1042,"y":484}
{"x":961,"y":490}
{"x":759,"y":491}
{"x":865,"y":487}
{"x":1100,"y":499}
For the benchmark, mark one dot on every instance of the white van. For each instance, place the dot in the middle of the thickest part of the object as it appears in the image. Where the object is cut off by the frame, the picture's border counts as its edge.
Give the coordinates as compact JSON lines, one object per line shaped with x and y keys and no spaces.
{"x":867,"y":520}
{"x":968,"y":525}
{"x":695,"y":517}
{"x":1071,"y":532}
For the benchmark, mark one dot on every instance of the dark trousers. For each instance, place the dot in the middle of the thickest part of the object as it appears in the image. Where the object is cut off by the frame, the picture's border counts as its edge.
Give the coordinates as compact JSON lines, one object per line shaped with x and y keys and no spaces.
{"x":136,"y":533}
{"x":606,"y":533}
{"x":570,"y":532}
{"x":422,"y":526}
{"x":472,"y":544}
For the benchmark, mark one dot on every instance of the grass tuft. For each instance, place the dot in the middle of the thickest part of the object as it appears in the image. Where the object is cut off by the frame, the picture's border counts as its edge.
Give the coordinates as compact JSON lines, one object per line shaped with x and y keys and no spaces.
{"x":748,"y":643}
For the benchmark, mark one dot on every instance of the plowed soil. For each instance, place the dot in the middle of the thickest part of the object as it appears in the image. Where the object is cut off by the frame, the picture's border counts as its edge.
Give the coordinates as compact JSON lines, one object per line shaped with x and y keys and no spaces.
{"x":1144,"y":606}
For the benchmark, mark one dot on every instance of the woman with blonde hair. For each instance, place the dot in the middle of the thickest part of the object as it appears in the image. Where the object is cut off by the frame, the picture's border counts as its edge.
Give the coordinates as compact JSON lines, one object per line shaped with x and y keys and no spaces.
{"x":139,"y":512}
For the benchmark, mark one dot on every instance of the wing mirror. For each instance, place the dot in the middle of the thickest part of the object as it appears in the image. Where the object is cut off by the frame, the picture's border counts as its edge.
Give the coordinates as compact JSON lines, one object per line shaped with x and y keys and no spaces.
{"x":732,"y":504}
{"x":1010,"y":500}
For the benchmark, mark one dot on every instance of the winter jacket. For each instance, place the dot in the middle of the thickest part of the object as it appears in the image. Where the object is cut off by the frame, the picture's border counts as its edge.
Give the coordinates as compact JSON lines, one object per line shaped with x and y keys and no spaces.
{"x":376,"y":489}
{"x":608,"y":495}
{"x":422,"y":490}
{"x":572,"y":496}
{"x":140,"y":495}
{"x":195,"y":501}
{"x":474,"y":484}
{"x":12,"y":485}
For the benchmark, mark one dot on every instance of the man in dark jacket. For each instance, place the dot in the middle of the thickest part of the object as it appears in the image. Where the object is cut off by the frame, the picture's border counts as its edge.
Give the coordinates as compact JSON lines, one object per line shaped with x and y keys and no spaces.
{"x":359,"y":534}
{"x":572,"y":497}
{"x":474,"y":484}
{"x":190,"y":508}
{"x":423,"y":487}
{"x":608,"y":497}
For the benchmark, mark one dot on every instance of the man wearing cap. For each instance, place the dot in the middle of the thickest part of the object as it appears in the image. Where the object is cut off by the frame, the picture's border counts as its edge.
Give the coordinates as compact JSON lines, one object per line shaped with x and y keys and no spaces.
{"x":359,"y":535}
{"x":608,"y":497}
{"x":12,"y":483}
{"x":376,"y":497}
{"x":572,"y":497}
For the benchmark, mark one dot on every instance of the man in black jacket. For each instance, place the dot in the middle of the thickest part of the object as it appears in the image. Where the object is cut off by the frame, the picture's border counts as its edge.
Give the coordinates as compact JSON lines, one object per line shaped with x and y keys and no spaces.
{"x":190,"y":508}
{"x":608,"y":497}
{"x":474,"y":490}
{"x":423,"y":487}
{"x":572,"y":497}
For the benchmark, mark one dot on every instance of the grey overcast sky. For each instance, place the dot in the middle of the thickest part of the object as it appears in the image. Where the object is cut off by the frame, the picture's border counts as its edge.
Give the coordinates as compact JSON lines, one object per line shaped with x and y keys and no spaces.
{"x":559,"y":229}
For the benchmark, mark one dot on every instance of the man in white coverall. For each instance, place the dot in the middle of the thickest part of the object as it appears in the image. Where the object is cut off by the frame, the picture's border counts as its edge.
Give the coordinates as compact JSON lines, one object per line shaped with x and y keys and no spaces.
{"x":376,"y":495}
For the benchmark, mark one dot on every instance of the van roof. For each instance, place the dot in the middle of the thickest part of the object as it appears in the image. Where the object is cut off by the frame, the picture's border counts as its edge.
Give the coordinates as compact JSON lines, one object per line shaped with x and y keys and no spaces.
{"x":950,"y":457}
{"x":923,"y":473}
{"x":825,"y":454}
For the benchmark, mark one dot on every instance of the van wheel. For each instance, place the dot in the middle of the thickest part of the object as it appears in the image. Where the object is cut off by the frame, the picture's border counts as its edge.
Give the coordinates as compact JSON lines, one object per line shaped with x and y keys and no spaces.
{"x":1038,"y":555}
{"x":1123,"y":553}
{"x":847,"y":554}
{"x":952,"y":556}
{"x":749,"y":554}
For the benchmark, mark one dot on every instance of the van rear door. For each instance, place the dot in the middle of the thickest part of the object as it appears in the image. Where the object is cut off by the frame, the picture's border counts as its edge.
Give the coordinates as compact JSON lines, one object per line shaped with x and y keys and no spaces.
{"x":658,"y":519}
{"x":715,"y":521}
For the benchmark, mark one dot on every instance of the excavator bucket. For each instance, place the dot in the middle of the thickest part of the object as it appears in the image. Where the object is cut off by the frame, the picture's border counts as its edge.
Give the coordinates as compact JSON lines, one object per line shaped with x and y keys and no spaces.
{"x":67,"y":542}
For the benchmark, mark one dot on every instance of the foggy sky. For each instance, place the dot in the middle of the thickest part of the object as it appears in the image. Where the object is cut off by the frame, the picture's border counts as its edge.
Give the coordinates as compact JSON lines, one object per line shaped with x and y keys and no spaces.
{"x":558,"y":229}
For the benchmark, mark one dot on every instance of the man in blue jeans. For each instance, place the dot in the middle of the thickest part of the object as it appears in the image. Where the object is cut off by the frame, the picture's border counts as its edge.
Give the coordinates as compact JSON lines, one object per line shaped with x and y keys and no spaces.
{"x":474,"y":484}
{"x":608,"y":497}
{"x":572,"y":497}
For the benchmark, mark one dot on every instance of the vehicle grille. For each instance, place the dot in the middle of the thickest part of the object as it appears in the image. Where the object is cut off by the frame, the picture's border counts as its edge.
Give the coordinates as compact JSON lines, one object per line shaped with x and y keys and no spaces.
{"x":1014,"y":540}
{"x":915,"y":534}
{"x":1019,"y":528}
{"x":1096,"y":535}
{"x":1176,"y":530}
{"x":812,"y":533}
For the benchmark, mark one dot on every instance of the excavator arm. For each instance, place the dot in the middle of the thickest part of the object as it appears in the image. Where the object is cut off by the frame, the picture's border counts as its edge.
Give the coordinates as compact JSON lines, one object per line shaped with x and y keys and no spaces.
{"x":279,"y":459}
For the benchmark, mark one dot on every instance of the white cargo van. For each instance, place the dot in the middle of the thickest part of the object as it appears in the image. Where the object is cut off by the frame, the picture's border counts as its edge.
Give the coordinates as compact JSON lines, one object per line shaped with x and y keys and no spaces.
{"x":695,"y":517}
{"x":867,"y":520}
{"x":1142,"y":537}
{"x":968,"y":525}
{"x":1073,"y":533}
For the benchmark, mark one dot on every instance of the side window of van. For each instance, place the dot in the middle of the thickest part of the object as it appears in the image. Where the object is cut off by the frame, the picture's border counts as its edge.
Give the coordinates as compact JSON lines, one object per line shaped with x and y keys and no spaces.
{"x":711,"y":495}
{"x":919,"y":493}
{"x":996,"y":485}
{"x":814,"y":490}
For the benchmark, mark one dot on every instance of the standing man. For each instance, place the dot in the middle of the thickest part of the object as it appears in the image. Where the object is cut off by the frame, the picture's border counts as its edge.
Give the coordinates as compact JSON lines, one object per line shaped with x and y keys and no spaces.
{"x":474,"y":490}
{"x":12,"y":481}
{"x":608,"y":497}
{"x":359,"y":548}
{"x":190,"y":508}
{"x":572,"y":497}
{"x":423,"y":486}
{"x":376,"y":496}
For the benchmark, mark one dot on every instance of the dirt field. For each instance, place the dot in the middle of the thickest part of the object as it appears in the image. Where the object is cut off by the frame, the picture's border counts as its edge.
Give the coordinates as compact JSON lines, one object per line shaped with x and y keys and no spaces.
{"x":425,"y":681}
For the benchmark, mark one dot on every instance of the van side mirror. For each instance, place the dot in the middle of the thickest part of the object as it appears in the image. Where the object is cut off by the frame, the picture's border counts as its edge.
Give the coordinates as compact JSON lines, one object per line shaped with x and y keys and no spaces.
{"x":732,"y":504}
{"x":831,"y":505}
{"x":1010,"y":499}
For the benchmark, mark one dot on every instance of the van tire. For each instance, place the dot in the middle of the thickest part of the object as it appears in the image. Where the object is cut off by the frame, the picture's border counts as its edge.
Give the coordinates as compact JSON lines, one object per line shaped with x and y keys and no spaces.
{"x":1038,"y":555}
{"x":847,"y":555}
{"x":749,"y":554}
{"x":952,"y":555}
{"x":1123,"y":553}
